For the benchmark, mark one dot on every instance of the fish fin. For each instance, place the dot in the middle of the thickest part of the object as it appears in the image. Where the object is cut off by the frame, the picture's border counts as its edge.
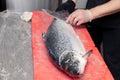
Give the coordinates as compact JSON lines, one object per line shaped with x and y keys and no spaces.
{"x":44,"y":35}
{"x":87,"y":54}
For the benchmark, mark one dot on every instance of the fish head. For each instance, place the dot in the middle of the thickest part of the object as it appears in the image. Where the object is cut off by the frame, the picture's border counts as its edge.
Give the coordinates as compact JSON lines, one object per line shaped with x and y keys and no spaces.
{"x":73,"y":64}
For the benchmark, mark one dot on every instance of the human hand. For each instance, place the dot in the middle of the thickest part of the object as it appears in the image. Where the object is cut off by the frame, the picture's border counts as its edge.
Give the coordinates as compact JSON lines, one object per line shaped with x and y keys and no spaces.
{"x":69,"y":6}
{"x":79,"y":17}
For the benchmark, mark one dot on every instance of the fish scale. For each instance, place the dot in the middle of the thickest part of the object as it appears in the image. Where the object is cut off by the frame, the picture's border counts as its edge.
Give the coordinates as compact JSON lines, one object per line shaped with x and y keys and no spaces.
{"x":58,"y":41}
{"x":65,"y":47}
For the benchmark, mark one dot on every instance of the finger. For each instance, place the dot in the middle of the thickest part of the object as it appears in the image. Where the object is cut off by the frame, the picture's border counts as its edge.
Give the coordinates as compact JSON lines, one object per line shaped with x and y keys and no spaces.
{"x":69,"y":19}
{"x":79,"y":23}
{"x":74,"y":17}
{"x":76,"y":20}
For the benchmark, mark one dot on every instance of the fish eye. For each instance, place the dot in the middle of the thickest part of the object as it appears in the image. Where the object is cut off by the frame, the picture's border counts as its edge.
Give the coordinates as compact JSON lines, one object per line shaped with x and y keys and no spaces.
{"x":70,"y":54}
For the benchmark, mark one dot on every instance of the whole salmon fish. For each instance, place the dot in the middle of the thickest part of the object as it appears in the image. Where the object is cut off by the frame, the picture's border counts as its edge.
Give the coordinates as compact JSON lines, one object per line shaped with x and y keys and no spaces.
{"x":66,"y":48}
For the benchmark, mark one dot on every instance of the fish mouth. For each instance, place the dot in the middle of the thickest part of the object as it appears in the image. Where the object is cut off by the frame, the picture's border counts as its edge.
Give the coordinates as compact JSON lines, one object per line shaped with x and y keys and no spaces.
{"x":76,"y":73}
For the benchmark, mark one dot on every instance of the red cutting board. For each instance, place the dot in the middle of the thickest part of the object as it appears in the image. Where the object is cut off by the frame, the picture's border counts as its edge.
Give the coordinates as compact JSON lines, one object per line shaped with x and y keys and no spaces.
{"x":44,"y":69}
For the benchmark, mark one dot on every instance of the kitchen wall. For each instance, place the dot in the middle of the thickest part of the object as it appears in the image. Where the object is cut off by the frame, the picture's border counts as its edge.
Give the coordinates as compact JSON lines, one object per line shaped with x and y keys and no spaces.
{"x":30,"y":5}
{"x":81,"y":4}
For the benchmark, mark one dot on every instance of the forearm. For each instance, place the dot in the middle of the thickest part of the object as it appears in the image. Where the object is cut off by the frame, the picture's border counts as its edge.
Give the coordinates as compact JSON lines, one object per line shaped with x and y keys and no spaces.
{"x":108,"y":8}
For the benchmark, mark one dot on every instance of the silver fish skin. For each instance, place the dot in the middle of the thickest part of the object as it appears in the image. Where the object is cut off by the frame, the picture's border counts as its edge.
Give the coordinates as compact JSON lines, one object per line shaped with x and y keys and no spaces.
{"x":66,"y":48}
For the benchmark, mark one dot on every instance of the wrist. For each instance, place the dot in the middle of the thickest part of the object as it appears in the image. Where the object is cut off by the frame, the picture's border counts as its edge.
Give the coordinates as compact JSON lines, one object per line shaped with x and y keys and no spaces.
{"x":89,"y":15}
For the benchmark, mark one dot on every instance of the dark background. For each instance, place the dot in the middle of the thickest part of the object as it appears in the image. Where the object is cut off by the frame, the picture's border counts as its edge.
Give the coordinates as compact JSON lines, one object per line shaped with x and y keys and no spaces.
{"x":2,"y":5}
